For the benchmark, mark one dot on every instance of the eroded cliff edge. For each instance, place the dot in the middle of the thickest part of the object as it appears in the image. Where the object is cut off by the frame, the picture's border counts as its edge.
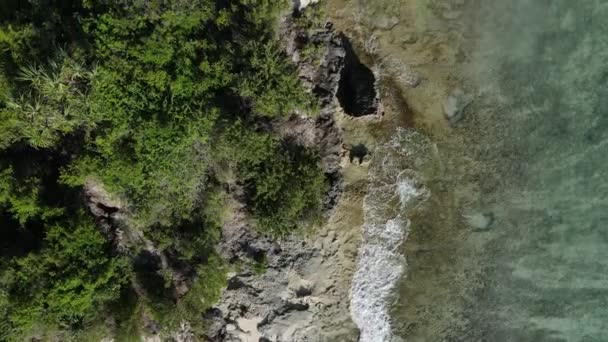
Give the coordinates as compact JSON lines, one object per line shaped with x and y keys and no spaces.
{"x":297,"y":288}
{"x":293,"y":288}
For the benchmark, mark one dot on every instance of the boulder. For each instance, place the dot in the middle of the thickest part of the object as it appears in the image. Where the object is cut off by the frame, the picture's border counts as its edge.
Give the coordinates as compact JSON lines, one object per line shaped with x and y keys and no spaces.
{"x":479,"y":221}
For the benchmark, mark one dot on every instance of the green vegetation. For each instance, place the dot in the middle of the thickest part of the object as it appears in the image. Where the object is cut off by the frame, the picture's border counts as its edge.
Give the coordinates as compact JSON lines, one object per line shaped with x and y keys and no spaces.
{"x":64,"y":282}
{"x":158,"y":100}
{"x":310,"y":20}
{"x":282,"y":180}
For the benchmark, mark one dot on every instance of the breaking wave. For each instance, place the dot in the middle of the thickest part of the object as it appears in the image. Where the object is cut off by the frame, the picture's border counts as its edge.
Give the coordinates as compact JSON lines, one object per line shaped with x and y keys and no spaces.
{"x":394,"y":189}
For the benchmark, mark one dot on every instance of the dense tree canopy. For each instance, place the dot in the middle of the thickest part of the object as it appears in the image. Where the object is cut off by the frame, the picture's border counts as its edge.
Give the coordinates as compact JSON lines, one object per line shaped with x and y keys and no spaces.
{"x":156,"y":100}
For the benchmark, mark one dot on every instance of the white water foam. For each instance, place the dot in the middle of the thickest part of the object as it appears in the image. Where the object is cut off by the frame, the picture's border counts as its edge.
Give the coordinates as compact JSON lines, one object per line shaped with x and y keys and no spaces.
{"x":380,"y":265}
{"x":394,"y":189}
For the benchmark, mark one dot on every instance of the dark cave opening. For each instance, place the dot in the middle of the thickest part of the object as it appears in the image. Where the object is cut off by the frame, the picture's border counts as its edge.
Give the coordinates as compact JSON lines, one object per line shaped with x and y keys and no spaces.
{"x":357,"y":87}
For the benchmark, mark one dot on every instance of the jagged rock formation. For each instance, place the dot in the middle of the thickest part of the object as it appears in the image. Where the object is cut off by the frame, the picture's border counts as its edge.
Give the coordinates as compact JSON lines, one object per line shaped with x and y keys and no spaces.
{"x":340,"y":78}
{"x":148,"y":260}
{"x":108,"y":212}
{"x":299,"y":295}
{"x":301,"y":292}
{"x":322,"y":79}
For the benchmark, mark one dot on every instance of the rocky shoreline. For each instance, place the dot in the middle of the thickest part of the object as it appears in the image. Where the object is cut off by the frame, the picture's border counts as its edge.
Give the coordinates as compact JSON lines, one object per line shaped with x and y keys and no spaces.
{"x":296,"y":288}
{"x":302,"y":292}
{"x":412,"y":73}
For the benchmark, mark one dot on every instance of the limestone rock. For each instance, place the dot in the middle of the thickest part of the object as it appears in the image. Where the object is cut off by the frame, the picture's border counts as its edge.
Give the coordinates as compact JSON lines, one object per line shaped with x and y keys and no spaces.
{"x":339,"y":78}
{"x":185,"y":333}
{"x":105,"y":209}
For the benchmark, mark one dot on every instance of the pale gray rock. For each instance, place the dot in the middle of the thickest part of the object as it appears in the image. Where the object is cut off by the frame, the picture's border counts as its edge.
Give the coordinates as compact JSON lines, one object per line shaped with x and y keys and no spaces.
{"x":405,"y":73}
{"x":184,"y":333}
{"x":106,"y":210}
{"x":455,"y":105}
{"x":479,"y":221}
{"x":408,"y":38}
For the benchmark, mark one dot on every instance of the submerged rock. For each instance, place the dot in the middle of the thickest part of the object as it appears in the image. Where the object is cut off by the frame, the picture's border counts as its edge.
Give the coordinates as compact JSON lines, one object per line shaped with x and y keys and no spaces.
{"x":455,"y":105}
{"x":358,"y":154}
{"x":479,"y":221}
{"x":386,"y":23}
{"x":405,"y":39}
{"x":405,"y":74}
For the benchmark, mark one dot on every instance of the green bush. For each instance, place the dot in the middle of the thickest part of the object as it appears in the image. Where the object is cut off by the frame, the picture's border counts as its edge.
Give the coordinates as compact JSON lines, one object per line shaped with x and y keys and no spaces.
{"x":66,"y":283}
{"x":271,"y":83}
{"x":284,"y":182}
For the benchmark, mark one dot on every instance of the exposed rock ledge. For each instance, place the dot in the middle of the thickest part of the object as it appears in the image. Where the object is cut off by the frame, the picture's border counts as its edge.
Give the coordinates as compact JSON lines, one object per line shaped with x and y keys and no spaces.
{"x":300,"y":296}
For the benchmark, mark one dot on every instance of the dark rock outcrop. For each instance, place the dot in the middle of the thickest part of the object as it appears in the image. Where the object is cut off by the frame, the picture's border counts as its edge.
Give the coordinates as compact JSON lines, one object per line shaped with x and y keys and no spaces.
{"x":278,"y":304}
{"x":107,"y":212}
{"x":323,"y":80}
{"x":340,"y":75}
{"x":358,"y":153}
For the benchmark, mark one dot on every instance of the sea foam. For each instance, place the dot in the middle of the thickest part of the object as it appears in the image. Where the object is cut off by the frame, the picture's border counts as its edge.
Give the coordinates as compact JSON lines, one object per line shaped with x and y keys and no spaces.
{"x":393,"y":190}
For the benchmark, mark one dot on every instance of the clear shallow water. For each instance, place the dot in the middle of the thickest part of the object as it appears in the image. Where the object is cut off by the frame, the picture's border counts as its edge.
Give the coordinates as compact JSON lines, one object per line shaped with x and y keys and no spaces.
{"x":540,"y":271}
{"x":547,"y":257}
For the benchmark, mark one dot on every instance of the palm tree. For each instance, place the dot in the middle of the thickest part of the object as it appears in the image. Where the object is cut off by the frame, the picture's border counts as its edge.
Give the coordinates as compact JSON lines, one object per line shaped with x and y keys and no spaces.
{"x":55,"y":102}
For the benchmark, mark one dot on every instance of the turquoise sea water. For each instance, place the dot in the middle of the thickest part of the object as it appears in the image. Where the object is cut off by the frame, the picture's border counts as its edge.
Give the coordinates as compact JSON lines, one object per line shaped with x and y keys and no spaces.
{"x":538,"y":70}
{"x":548,"y":253}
